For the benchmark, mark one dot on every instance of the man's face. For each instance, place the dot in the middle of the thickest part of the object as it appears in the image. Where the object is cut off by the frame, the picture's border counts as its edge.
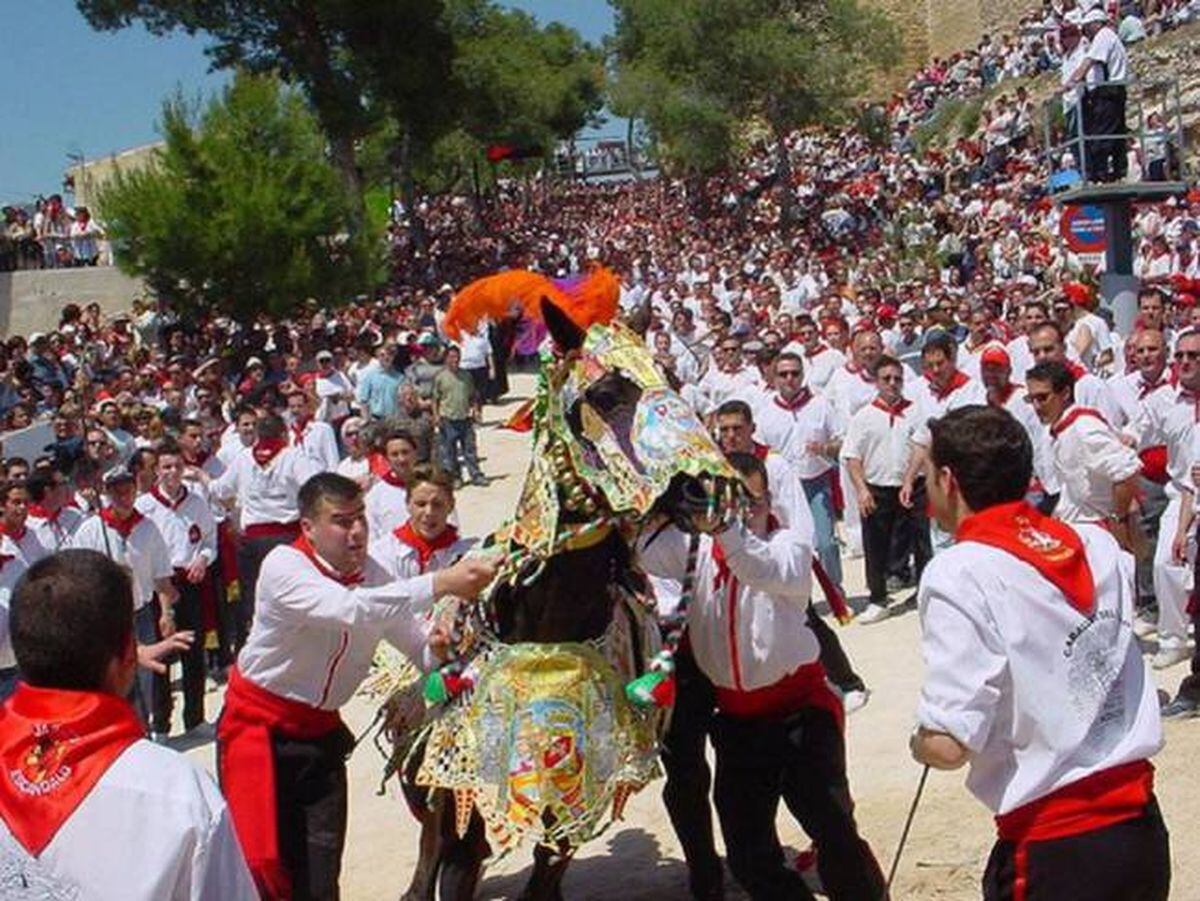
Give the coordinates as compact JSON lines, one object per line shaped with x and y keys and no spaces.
{"x":338,"y":533}
{"x":729,"y":355}
{"x":400,"y":456}
{"x":247,"y":426}
{"x":734,"y":434}
{"x":170,"y":472}
{"x":789,"y":377}
{"x":1150,"y":354}
{"x":64,"y":427}
{"x":16,"y":509}
{"x":110,"y":415}
{"x":1031,"y":318}
{"x":867,"y":348}
{"x":1151,"y":309}
{"x":1047,"y":403}
{"x":808,"y":335}
{"x":835,"y":336}
{"x":191,"y":439}
{"x":890,"y":380}
{"x":453,"y":355}
{"x":97,"y":446}
{"x":297,"y":405}
{"x":908,"y":326}
{"x":994,"y":375}
{"x":979,"y":324}
{"x":1045,"y":346}
{"x":429,"y":508}
{"x":938,"y":367}
{"x":1187,"y":358}
{"x":121,"y":496}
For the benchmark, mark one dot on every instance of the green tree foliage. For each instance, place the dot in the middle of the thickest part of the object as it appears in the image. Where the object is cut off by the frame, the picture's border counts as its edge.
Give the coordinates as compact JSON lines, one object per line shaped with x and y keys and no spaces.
{"x":242,"y":210}
{"x":699,"y":71}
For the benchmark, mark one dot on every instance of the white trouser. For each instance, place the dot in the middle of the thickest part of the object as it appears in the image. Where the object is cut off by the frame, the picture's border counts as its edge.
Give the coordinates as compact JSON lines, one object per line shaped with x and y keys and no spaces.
{"x":851,"y":520}
{"x":1172,"y":581}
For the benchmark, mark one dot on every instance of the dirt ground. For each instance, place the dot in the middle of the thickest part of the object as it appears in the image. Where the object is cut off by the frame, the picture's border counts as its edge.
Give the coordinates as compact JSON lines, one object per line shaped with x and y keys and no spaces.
{"x":640,"y":858}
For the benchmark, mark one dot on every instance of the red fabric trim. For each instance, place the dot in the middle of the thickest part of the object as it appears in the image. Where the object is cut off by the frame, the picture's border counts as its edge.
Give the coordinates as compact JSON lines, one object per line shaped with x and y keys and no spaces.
{"x":389,"y":476}
{"x":39,"y":512}
{"x":1051,"y":547}
{"x":267,"y":449}
{"x":304,"y":546}
{"x":957,"y":380}
{"x":166,"y":501}
{"x":273,"y":530}
{"x":122,"y":527}
{"x":54,"y":747}
{"x":1076,"y":370}
{"x":246,"y":768}
{"x":806,"y":687}
{"x":343,"y":643}
{"x":425,"y":549}
{"x":1154,"y":464}
{"x":796,"y":404}
{"x":1101,"y":799}
{"x":760,"y":450}
{"x":1071,"y":415}
{"x":894,"y":413}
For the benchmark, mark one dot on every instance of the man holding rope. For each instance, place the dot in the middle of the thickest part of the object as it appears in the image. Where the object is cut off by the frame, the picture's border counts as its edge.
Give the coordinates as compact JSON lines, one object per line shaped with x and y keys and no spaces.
{"x":1034,"y":678}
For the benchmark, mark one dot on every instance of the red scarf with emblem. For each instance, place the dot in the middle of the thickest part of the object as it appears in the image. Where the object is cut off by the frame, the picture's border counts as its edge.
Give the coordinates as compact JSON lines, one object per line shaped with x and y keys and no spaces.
{"x":425,"y":548}
{"x":957,"y":380}
{"x":304,"y":546}
{"x":55,"y":746}
{"x":121,"y":526}
{"x":1050,"y":546}
{"x":893,"y":413}
{"x":267,"y":449}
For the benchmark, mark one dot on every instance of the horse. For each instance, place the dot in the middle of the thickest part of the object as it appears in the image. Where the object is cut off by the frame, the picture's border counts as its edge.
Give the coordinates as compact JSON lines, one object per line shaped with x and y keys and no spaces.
{"x":613,"y":446}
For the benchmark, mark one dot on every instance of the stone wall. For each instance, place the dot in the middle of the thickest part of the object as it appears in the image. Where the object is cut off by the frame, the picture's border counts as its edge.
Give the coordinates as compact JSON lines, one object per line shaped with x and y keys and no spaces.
{"x":31,"y":301}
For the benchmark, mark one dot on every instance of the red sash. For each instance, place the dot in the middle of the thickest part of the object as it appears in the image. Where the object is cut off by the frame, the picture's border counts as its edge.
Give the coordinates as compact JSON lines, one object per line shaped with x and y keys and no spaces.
{"x":1051,"y":547}
{"x":54,"y":747}
{"x":806,"y":687}
{"x":425,"y":549}
{"x":1154,"y":464}
{"x":246,"y":768}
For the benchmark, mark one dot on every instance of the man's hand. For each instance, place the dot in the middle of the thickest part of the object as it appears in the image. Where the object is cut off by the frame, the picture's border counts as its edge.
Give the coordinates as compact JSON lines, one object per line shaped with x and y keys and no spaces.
{"x":439,"y":643}
{"x":151,"y":656}
{"x":196,"y":570}
{"x":466,"y":578}
{"x":866,"y":502}
{"x":906,"y":494}
{"x":1179,"y":549}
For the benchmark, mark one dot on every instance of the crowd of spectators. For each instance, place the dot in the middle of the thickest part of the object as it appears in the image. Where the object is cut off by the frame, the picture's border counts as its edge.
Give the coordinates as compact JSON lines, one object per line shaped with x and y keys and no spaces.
{"x":51,"y":235}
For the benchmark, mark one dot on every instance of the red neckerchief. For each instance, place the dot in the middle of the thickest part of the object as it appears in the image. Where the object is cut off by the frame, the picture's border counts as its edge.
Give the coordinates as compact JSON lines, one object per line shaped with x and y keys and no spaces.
{"x":54,"y":747}
{"x":198,"y":461}
{"x":304,"y":546}
{"x":121,"y":526}
{"x":1064,"y":422}
{"x":854,"y":369}
{"x":1005,"y":393}
{"x":166,"y":501}
{"x":723,"y":576}
{"x":425,"y":548}
{"x":389,"y":476}
{"x":957,"y":380}
{"x":42,"y":513}
{"x":298,"y":431}
{"x":760,"y":450}
{"x":1149,"y":388}
{"x":821,"y":348}
{"x":893,"y":413}
{"x":1076,"y":370}
{"x":1051,"y":547}
{"x":15,"y":535}
{"x":267,"y":449}
{"x":796,"y":403}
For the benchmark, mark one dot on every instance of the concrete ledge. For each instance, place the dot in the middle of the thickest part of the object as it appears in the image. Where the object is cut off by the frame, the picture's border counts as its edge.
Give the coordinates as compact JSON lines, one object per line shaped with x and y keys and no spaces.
{"x":31,"y":301}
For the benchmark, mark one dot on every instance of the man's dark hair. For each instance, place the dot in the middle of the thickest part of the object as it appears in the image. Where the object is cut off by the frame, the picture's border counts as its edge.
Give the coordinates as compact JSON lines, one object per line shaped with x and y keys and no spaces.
{"x":168,"y":446}
{"x":7,"y":486}
{"x":270,"y":426}
{"x":40,"y":484}
{"x":886,"y":362}
{"x":71,"y":615}
{"x":326,"y":486}
{"x":397,"y":434}
{"x":789,"y":355}
{"x":941,"y":342}
{"x":1054,"y":372}
{"x":1149,"y":291}
{"x":138,"y":461}
{"x":988,"y":451}
{"x":748,"y":465}
{"x":737,"y":408}
{"x":1048,"y":325}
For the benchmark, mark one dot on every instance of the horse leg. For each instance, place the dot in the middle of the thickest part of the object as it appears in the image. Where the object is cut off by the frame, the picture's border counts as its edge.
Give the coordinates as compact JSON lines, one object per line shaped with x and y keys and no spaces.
{"x":430,"y":811}
{"x":462,"y":858}
{"x":545,"y":882}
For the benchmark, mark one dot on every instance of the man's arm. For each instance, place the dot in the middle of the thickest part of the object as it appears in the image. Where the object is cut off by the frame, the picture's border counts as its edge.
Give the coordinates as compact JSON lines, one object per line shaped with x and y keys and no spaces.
{"x":916,"y":462}
{"x":938,"y":750}
{"x":866,"y":500}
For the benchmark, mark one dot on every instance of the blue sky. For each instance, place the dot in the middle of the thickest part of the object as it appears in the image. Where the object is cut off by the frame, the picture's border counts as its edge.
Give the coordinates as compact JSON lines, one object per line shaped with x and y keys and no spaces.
{"x":69,"y":89}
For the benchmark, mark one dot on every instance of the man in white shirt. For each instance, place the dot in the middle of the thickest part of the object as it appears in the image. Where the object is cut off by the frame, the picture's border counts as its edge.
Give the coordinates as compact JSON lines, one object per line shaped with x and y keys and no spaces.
{"x":131,"y":540}
{"x":1097,"y":472}
{"x":265,"y":482}
{"x":186,"y":523}
{"x":820,"y":360}
{"x":1046,"y":344}
{"x":426,"y":541}
{"x":315,"y":438}
{"x":995,"y":369}
{"x":778,"y":732}
{"x":16,"y":538}
{"x":1103,"y":102}
{"x":1033,"y":676}
{"x":387,"y":499}
{"x":51,"y":517}
{"x":476,"y":359}
{"x":323,"y":606}
{"x":334,"y":392}
{"x":876,"y":452}
{"x":89,"y":807}
{"x":804,"y":428}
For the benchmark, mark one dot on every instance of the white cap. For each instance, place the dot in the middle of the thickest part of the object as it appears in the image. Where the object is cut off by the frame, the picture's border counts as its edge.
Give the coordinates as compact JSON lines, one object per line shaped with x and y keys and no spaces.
{"x":1094,"y":16}
{"x":253,"y":361}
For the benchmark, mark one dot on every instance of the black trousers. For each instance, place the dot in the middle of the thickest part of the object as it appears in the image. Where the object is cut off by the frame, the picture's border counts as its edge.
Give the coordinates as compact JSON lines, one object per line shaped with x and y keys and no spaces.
{"x":250,"y":554}
{"x":187,"y":617}
{"x":311,"y":801}
{"x":1104,"y":114}
{"x":837,"y":665}
{"x":685,"y":793}
{"x":150,"y":695}
{"x":880,"y":531}
{"x":1129,"y":861}
{"x":800,"y":759}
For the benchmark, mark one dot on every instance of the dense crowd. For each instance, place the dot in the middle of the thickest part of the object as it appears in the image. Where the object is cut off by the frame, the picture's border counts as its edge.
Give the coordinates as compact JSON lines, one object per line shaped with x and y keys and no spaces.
{"x":51,"y":235}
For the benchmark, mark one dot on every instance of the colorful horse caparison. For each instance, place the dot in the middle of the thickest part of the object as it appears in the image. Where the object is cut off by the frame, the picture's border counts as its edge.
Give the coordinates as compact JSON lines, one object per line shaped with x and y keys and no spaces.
{"x":546,"y":720}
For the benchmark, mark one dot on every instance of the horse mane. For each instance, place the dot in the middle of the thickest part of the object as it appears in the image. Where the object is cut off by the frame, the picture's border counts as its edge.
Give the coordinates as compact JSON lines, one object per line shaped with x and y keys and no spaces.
{"x":586,"y":299}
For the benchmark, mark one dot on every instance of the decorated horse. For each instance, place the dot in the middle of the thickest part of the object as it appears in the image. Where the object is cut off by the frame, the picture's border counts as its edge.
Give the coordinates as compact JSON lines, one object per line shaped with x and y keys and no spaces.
{"x":545,"y":720}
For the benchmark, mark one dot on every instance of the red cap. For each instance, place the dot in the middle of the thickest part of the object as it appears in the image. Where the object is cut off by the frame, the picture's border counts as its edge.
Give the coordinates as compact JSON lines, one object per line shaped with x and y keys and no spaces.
{"x":996,"y":355}
{"x":1078,"y":293}
{"x":887,"y":311}
{"x":1185,"y":300}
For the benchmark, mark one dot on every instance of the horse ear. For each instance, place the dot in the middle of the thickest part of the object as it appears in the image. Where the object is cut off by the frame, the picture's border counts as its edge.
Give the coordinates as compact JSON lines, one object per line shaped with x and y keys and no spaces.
{"x":566,"y":334}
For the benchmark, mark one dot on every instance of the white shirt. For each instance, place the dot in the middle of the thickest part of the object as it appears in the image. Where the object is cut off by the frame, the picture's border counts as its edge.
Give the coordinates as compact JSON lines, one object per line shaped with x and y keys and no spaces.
{"x":882,"y":442}
{"x":1171,"y":421}
{"x":332,"y":391}
{"x":1107,"y":50}
{"x":144,"y":553}
{"x":153,"y":828}
{"x":819,"y":366}
{"x":29,"y":548}
{"x":10,"y":574}
{"x":1041,"y":694}
{"x":1089,"y":459}
{"x":55,"y":534}
{"x":1133,"y":395}
{"x":187,"y":526}
{"x":789,"y":503}
{"x":401,"y":559}
{"x":850,"y":391}
{"x":265,"y":494}
{"x":1092,"y":391}
{"x":318,"y":441}
{"x":387,"y":508}
{"x":789,"y":431}
{"x":763,"y":608}
{"x":931,"y":405}
{"x":313,"y":638}
{"x":718,"y":386}
{"x":475,"y":349}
